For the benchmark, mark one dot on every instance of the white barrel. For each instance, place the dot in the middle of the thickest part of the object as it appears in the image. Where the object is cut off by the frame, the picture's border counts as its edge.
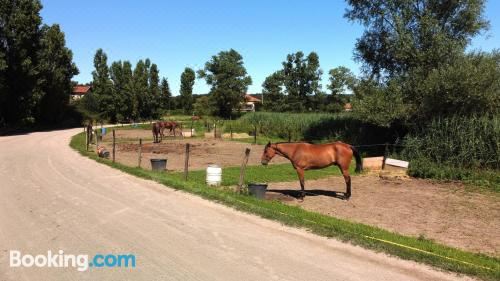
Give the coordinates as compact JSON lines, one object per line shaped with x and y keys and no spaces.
{"x":214,"y":175}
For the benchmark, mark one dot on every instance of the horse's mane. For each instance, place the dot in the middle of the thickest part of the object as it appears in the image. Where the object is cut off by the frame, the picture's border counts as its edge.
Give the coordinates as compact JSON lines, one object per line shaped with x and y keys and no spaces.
{"x":285,"y":142}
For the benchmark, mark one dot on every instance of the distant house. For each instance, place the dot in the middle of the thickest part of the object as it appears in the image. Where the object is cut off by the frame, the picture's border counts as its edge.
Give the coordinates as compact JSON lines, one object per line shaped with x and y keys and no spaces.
{"x":250,"y":103}
{"x":79,"y":91}
{"x":348,"y":107}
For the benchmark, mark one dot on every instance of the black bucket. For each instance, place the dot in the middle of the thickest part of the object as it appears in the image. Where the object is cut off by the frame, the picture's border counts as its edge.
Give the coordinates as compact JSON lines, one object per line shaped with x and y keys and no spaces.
{"x":257,"y":189}
{"x":158,"y":164}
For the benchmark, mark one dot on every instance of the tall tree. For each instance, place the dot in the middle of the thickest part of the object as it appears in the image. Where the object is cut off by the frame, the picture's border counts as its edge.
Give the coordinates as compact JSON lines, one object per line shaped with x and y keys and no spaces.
{"x":120,"y":82}
{"x":165,"y":94}
{"x":301,"y":77}
{"x":141,"y":89}
{"x":272,"y":92}
{"x":102,"y":86}
{"x":228,"y":79}
{"x":154,"y":91}
{"x":186,"y":91}
{"x":341,"y":79}
{"x":401,"y":34}
{"x":413,"y":49}
{"x":20,"y":36}
{"x":57,"y":68}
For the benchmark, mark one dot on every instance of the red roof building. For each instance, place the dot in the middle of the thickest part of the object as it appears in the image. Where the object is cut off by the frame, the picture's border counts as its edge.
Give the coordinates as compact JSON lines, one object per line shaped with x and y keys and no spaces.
{"x":79,"y":91}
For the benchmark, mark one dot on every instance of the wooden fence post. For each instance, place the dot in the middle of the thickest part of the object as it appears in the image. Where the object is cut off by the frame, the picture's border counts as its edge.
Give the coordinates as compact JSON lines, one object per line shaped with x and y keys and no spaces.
{"x":186,"y":162}
{"x":114,"y":146}
{"x":87,"y":138}
{"x":96,"y":140}
{"x":255,"y":134}
{"x":231,"y":129}
{"x":242,"y":170}
{"x":139,"y":154}
{"x":386,"y":152}
{"x":215,"y":130}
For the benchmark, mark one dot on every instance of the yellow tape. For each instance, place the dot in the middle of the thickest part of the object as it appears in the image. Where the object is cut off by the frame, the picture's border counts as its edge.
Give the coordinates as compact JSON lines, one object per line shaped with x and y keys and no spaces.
{"x":389,"y":242}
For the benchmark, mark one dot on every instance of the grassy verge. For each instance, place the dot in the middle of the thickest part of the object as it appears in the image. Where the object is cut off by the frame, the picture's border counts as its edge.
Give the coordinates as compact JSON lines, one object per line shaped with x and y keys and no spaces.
{"x":420,"y":250}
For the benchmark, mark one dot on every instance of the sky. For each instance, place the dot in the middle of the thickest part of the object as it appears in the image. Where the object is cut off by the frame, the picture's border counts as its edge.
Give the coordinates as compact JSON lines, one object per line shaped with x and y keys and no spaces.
{"x":179,"y":34}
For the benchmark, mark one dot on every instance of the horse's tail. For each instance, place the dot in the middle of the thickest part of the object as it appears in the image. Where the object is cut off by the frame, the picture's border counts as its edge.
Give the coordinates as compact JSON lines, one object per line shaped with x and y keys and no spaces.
{"x":359,"y":160}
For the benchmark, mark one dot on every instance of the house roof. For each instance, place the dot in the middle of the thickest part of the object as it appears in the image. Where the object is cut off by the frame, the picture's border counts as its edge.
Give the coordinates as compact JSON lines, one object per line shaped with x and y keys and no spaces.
{"x":249,"y":98}
{"x":80,"y":89}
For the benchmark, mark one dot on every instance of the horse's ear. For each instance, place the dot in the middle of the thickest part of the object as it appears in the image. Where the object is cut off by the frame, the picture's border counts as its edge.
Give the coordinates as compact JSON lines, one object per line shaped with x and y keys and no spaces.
{"x":268,"y":143}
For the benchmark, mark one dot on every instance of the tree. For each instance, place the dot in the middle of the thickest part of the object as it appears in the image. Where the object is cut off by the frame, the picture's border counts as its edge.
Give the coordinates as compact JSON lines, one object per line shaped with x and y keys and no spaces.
{"x":203,"y":107}
{"x":154,"y":91}
{"x":102,"y":86}
{"x":56,"y":70}
{"x":401,"y":34}
{"x":415,"y":53}
{"x":186,"y":91}
{"x":341,"y":80}
{"x":272,"y":92}
{"x":121,"y":76}
{"x":19,"y":46}
{"x":141,"y":89}
{"x":165,"y":94}
{"x":228,"y":79}
{"x":301,"y":77}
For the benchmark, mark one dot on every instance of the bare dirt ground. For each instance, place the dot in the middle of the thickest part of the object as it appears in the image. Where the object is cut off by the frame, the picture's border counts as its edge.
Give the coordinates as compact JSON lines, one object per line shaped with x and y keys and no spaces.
{"x":203,"y":151}
{"x":444,"y":212}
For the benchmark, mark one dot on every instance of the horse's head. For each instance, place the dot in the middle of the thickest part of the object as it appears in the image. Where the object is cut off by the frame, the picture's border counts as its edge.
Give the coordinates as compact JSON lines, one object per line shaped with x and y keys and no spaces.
{"x":268,"y":154}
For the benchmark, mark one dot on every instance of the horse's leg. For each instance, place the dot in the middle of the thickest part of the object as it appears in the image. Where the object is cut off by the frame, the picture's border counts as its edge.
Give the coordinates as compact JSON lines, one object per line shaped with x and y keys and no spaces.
{"x":300,"y":173}
{"x":347,"y":178}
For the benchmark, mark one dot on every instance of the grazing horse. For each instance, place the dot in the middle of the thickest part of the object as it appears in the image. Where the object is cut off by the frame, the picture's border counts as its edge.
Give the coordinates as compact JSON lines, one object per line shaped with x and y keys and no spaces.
{"x":307,"y":156}
{"x":170,"y":125}
{"x":157,"y":132}
{"x":195,"y":118}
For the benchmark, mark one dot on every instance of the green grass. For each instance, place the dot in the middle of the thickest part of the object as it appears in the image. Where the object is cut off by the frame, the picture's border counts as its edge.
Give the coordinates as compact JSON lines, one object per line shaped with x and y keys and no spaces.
{"x":429,"y":252}
{"x":270,"y":173}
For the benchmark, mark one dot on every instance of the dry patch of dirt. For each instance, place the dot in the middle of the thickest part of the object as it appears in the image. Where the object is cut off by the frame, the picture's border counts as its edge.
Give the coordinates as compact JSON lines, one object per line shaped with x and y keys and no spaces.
{"x":202,"y":153}
{"x":444,"y":212}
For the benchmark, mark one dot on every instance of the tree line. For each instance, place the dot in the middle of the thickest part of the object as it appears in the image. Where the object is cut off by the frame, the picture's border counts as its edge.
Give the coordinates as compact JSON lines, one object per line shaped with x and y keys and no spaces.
{"x":36,"y":67}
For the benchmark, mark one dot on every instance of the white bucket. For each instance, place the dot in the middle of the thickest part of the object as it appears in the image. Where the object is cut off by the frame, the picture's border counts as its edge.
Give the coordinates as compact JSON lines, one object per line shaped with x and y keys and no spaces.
{"x":214,"y":175}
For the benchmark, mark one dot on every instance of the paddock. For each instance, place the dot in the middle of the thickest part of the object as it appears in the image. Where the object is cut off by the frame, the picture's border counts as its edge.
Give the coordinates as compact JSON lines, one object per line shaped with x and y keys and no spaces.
{"x":450,"y":213}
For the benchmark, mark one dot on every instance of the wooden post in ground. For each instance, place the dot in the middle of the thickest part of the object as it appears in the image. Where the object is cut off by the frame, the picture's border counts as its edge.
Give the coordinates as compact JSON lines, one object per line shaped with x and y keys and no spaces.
{"x":87,"y":139}
{"x":215,"y":130}
{"x":231,"y":130}
{"x":96,"y":140}
{"x":139,"y":157}
{"x":255,"y":135}
{"x":386,"y":153}
{"x":242,"y":170}
{"x":186,"y":162}
{"x":114,"y":146}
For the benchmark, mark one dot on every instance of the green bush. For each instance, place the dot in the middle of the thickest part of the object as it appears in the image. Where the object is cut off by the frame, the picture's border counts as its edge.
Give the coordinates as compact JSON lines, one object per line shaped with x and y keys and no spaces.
{"x":464,"y":142}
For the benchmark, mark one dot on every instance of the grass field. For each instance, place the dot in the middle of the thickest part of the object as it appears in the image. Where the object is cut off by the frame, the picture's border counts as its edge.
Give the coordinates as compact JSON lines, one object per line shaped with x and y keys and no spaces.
{"x":412,"y":248}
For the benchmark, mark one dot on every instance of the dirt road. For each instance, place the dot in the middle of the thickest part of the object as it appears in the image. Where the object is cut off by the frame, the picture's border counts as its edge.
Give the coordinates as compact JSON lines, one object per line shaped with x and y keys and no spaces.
{"x":53,"y":199}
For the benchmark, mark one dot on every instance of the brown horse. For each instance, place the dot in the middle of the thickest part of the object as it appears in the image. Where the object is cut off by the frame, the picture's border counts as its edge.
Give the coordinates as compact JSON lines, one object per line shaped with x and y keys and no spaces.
{"x":307,"y":156}
{"x":170,"y":125}
{"x":157,"y":132}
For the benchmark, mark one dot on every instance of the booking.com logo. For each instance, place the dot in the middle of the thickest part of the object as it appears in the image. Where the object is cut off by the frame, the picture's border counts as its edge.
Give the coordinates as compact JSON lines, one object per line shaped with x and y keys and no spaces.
{"x":80,"y":262}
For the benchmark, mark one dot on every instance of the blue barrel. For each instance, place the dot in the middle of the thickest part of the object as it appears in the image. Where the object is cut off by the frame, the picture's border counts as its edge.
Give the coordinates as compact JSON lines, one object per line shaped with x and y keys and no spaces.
{"x":103,"y":131}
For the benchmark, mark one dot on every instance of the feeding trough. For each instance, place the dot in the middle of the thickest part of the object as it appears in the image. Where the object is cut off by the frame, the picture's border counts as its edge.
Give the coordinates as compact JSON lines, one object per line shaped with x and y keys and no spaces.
{"x":257,"y":189}
{"x":158,"y":164}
